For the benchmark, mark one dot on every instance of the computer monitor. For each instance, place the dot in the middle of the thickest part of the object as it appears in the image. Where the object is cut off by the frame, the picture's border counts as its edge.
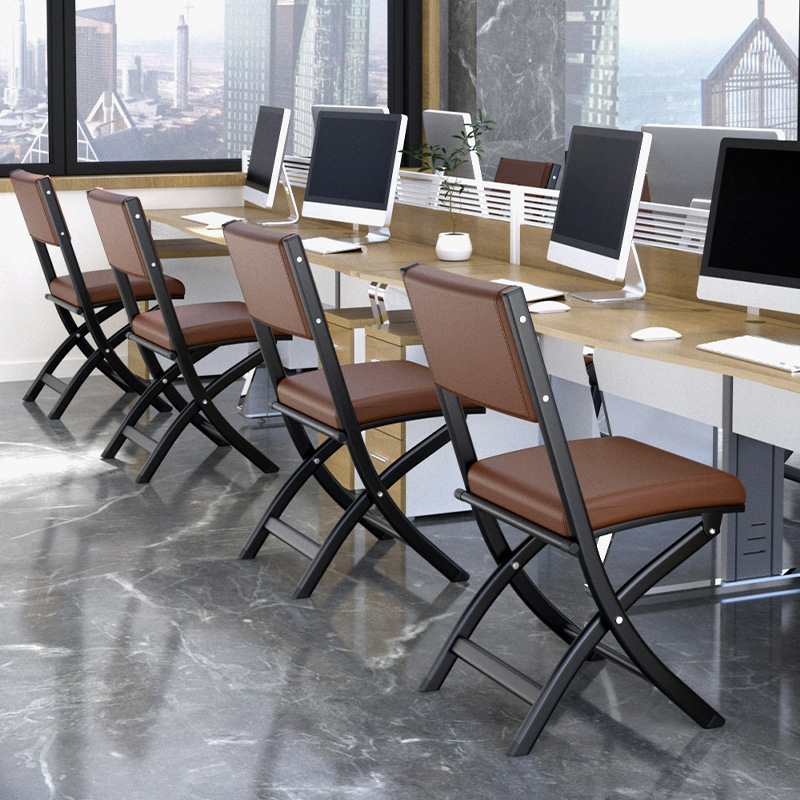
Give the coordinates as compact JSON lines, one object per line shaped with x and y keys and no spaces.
{"x":265,"y":167}
{"x":442,"y":128}
{"x":683,"y":159}
{"x":752,"y":248}
{"x":315,"y":109}
{"x":355,"y":162}
{"x":597,"y":206}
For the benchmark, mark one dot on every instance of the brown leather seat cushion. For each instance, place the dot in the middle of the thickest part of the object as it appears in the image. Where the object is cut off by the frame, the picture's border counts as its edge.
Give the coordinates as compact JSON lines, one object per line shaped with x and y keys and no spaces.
{"x":103,"y":288}
{"x":621,"y":480}
{"x":378,"y":389}
{"x":201,"y":323}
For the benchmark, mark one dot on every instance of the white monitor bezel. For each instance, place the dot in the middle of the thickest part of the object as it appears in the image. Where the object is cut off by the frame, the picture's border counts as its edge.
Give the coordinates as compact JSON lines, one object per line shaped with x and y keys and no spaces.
{"x":358,"y":215}
{"x":782,"y":295}
{"x":612,"y":268}
{"x":258,"y":195}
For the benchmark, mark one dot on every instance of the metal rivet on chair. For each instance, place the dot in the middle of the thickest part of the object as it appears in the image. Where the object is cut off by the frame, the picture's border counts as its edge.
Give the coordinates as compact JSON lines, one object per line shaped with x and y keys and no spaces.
{"x":522,"y":319}
{"x":515,"y":565}
{"x":546,"y":398}
{"x":618,"y":620}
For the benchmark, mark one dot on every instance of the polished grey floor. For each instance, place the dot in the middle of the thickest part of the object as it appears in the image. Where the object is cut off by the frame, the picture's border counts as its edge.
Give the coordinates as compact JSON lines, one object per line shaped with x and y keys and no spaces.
{"x":139,"y":658}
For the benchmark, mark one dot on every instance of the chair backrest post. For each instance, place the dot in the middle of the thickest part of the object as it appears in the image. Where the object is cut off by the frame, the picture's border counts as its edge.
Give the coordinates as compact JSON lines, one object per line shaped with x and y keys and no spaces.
{"x":550,"y":425}
{"x":312,"y":305}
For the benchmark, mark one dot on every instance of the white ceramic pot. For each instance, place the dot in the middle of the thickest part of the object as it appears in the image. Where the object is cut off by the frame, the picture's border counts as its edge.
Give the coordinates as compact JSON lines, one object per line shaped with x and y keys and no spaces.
{"x":453,"y":247}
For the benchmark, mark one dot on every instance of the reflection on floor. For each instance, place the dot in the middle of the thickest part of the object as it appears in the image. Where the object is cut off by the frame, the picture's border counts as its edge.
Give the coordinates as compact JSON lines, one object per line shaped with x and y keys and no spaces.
{"x":139,"y":658}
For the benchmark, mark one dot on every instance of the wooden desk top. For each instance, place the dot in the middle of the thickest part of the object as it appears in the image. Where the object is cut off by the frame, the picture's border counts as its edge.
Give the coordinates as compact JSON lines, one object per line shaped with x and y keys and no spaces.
{"x":592,"y":324}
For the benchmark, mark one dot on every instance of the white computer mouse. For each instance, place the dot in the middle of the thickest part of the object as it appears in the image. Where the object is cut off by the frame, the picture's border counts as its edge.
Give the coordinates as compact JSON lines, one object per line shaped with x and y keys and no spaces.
{"x":655,"y":334}
{"x":547,"y":307}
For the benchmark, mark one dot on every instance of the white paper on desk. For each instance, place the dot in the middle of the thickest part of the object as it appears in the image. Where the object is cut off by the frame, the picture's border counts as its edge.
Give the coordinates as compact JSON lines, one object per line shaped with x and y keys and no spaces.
{"x":211,"y":219}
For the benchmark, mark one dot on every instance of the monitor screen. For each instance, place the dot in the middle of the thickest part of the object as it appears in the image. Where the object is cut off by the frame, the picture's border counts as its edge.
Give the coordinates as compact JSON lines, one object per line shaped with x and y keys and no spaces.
{"x":266,"y":156}
{"x":599,"y":199}
{"x":751,"y":255}
{"x":354,"y":165}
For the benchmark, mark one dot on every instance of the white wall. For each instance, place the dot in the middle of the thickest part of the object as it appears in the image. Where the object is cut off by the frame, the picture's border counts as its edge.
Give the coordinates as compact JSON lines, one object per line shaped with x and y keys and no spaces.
{"x":29,"y":327}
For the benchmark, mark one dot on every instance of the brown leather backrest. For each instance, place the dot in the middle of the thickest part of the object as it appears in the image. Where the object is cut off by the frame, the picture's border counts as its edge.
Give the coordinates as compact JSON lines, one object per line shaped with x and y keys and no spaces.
{"x":265,"y":276}
{"x":28,"y":188}
{"x":523,"y":173}
{"x":116,"y":233}
{"x":467,"y":339}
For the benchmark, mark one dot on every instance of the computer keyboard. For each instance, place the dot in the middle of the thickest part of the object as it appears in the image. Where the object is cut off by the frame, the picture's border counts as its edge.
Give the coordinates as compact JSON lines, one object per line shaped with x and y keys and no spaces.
{"x":533,"y":293}
{"x":758,"y":350}
{"x":324,"y":245}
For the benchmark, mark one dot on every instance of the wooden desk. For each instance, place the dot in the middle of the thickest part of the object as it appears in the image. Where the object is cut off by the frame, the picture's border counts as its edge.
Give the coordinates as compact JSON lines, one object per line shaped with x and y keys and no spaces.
{"x":671,"y":375}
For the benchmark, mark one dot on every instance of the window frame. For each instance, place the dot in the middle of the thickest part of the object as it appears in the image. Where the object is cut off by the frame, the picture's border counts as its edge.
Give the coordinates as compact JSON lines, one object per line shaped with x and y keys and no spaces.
{"x":404,"y":37}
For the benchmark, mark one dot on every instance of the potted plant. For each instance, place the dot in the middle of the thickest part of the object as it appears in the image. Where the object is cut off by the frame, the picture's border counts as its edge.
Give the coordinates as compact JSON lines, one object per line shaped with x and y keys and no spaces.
{"x":453,"y":245}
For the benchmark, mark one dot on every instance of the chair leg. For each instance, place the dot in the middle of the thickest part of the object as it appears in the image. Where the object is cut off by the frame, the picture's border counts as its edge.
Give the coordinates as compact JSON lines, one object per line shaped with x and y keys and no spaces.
{"x":75,"y":336}
{"x":203,"y":403}
{"x":77,"y":380}
{"x":341,"y":496}
{"x":378,"y":486}
{"x":502,"y":576}
{"x":643,"y":658}
{"x":328,"y":549}
{"x":156,"y":387}
{"x":287,"y":493}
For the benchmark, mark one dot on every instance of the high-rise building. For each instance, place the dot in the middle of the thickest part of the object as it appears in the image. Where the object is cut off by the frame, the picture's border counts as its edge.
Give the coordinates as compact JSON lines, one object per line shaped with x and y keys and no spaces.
{"x":181,"y":64}
{"x":592,"y":63}
{"x":17,"y":93}
{"x":96,"y":56}
{"x":332,"y":63}
{"x":248,"y":69}
{"x":755,"y":83}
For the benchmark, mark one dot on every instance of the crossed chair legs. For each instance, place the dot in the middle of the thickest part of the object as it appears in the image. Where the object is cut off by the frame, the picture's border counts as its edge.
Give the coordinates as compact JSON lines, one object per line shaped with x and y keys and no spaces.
{"x":584,"y":643}
{"x":101,"y":356}
{"x":356,"y":507}
{"x":200,"y":411}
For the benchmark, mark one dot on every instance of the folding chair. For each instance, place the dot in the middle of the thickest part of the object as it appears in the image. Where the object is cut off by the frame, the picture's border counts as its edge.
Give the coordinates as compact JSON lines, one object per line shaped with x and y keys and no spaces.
{"x":181,"y":334}
{"x":94,"y":296}
{"x":338,"y":402}
{"x":560,"y":494}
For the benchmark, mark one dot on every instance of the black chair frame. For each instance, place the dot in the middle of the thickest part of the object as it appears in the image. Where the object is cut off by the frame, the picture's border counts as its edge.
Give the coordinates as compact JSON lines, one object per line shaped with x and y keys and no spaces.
{"x":199,"y":410}
{"x":584,"y":642}
{"x":357,"y":507}
{"x":88,"y":337}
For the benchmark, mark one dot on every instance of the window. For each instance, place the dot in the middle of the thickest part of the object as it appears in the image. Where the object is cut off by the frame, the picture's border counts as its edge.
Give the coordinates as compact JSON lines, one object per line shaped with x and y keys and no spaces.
{"x":153,"y":85}
{"x":694,"y":62}
{"x":23,"y":81}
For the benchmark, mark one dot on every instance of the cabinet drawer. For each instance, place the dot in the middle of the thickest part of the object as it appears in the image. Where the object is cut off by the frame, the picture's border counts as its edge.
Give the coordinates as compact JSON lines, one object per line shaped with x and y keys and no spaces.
{"x":383,"y":449}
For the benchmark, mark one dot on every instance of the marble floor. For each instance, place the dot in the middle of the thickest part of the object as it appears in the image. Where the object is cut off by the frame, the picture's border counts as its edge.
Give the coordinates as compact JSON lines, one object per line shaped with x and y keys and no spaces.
{"x":141,"y":659}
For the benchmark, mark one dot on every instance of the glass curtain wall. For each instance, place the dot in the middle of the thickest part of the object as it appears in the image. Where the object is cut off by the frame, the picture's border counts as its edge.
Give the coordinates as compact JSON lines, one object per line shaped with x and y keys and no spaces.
{"x":160,"y":81}
{"x":23,"y":81}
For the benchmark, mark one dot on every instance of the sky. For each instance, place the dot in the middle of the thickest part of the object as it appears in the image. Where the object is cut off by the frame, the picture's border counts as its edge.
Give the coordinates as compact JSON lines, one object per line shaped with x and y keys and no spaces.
{"x":649,"y":21}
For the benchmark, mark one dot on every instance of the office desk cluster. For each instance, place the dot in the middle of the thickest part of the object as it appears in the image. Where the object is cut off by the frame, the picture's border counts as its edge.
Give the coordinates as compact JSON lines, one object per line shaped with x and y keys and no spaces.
{"x":750,"y":408}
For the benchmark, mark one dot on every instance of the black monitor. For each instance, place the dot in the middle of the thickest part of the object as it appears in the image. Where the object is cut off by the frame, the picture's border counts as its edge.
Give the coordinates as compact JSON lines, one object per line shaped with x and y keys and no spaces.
{"x":354,"y":166}
{"x":597,"y":207}
{"x":265,"y":167}
{"x":751,"y":255}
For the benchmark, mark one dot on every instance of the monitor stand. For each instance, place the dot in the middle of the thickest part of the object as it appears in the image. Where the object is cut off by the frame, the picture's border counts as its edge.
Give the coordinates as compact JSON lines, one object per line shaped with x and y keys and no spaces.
{"x":295,"y":214}
{"x":633,"y":289}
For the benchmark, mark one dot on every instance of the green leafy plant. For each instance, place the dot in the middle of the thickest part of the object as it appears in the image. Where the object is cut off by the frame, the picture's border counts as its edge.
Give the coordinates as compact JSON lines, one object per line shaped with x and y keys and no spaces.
{"x":446,"y":162}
